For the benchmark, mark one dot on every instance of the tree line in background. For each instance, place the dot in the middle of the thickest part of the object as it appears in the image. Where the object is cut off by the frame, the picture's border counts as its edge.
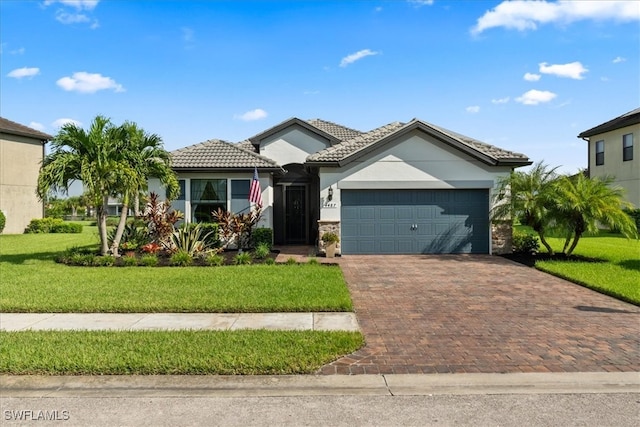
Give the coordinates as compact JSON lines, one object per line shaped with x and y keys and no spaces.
{"x":568,"y":206}
{"x":111,"y":161}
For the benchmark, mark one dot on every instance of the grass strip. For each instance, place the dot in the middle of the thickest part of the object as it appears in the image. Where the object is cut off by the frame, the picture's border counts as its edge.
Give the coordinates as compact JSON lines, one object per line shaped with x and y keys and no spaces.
{"x":246,"y":352}
{"x":238,"y":289}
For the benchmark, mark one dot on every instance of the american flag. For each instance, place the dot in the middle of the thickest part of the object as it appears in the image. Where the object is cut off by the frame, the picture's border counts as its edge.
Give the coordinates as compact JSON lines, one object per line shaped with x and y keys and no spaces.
{"x":255,"y":194}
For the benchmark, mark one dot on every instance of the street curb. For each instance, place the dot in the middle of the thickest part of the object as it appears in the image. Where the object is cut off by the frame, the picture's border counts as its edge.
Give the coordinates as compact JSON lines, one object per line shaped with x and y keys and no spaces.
{"x":315,"y":385}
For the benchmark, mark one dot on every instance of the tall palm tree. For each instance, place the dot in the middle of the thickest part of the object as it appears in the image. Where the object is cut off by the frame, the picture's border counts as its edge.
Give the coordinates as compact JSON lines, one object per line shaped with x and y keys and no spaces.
{"x":529,"y":197}
{"x":146,"y":156}
{"x":94,"y":157}
{"x":582,"y":203}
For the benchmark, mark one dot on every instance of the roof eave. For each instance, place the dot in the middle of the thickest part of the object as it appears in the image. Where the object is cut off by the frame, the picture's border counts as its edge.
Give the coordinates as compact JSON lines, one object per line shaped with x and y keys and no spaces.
{"x":228,"y":169}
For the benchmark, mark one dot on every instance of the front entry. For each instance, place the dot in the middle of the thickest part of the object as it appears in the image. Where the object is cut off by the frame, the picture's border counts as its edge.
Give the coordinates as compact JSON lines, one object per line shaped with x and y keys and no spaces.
{"x":296,"y":220}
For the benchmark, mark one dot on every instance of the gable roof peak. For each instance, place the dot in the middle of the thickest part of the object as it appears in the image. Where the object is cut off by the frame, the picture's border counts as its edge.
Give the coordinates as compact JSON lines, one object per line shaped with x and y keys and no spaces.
{"x":219,"y":154}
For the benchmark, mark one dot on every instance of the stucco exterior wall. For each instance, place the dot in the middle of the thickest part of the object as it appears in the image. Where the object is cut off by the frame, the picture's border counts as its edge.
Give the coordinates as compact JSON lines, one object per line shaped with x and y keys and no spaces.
{"x":627,"y":174}
{"x":20,"y":160}
{"x":291,"y":146}
{"x":413,"y":162}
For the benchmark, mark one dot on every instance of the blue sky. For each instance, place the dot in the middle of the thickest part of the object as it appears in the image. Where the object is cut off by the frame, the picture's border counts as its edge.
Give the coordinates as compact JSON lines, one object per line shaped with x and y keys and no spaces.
{"x":526,"y":76}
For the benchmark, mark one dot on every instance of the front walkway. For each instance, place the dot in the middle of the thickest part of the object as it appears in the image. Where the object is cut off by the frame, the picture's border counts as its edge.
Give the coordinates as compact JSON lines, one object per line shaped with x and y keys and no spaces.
{"x":481,"y":313}
{"x":178,"y":321}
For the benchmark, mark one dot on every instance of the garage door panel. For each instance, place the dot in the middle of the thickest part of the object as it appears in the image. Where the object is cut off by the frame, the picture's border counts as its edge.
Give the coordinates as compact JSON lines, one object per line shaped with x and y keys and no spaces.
{"x":415,"y":221}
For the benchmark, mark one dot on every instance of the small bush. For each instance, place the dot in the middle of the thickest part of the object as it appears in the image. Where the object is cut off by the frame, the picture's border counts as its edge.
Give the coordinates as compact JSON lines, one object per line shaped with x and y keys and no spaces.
{"x":525,"y":243}
{"x":330,"y":237}
{"x":214,"y":260}
{"x":292,"y":261}
{"x":149,"y":260}
{"x":270,"y":261}
{"x":84,"y":260}
{"x":104,"y":261}
{"x":262,"y":251}
{"x":65,"y":257}
{"x":262,"y":236}
{"x":129,"y":261}
{"x":52,"y":225}
{"x":181,"y":258}
{"x":313,"y":261}
{"x":242,"y":258}
{"x":3,"y":221}
{"x":633,"y":213}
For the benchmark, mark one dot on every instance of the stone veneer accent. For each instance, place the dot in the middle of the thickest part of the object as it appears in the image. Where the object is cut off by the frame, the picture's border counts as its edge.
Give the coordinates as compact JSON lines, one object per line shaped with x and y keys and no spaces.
{"x":501,"y":237}
{"x":326,"y":226}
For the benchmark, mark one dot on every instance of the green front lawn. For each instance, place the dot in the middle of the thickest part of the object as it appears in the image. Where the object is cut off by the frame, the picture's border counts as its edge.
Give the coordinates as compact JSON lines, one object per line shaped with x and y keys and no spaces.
{"x":33,"y":282}
{"x":614,"y":269}
{"x":172,"y":352}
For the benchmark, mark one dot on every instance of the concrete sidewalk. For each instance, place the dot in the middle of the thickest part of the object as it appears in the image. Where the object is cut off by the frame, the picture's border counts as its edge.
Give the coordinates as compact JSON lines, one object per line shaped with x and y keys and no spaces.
{"x":314,"y":385}
{"x":178,"y":321}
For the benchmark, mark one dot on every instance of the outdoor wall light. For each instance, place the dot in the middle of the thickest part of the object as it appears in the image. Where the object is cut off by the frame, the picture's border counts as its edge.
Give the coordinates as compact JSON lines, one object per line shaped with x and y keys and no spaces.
{"x":330,"y":194}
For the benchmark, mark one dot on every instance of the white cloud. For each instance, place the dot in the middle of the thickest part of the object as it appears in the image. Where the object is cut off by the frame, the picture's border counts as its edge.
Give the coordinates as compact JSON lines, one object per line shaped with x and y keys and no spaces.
{"x":619,"y":59}
{"x":530,"y":77}
{"x":252,"y":115}
{"x":19,"y":73}
{"x":88,"y":83}
{"x":535,"y":97}
{"x":78,"y":4}
{"x":420,"y":3}
{"x":71,"y":18}
{"x":473,"y":109}
{"x":61,"y":122}
{"x":573,"y":70}
{"x":378,"y":9}
{"x":37,"y":126}
{"x":187,"y":34}
{"x":525,"y":15}
{"x":350,"y":59}
{"x":501,"y":100}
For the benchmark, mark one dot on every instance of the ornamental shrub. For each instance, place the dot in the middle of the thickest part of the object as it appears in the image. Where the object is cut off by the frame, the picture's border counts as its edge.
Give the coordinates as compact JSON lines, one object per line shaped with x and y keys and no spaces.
{"x":3,"y":221}
{"x":262,"y":236}
{"x":525,"y":243}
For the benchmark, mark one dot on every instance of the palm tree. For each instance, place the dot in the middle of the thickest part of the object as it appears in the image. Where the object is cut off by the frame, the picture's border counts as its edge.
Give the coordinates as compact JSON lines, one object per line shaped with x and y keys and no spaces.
{"x":582,"y":203}
{"x":146,"y":156}
{"x":529,"y":197}
{"x":96,"y":158}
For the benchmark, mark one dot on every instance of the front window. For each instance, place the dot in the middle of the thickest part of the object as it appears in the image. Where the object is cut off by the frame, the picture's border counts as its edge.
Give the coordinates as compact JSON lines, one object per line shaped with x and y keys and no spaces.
{"x":627,"y":147}
{"x":207,"y":195}
{"x":599,"y":153}
{"x":240,"y":196}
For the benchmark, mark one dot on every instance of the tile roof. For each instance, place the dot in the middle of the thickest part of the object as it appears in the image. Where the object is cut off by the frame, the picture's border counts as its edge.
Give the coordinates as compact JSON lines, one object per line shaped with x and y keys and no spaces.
{"x":340,"y":151}
{"x":365,"y":142}
{"x":343,"y":133}
{"x":218,"y":154}
{"x":13,"y":128}
{"x":627,"y":119}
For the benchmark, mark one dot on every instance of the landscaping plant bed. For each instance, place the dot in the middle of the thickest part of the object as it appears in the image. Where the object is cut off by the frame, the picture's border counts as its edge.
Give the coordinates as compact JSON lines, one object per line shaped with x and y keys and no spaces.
{"x":134,"y":259}
{"x":530,"y":259}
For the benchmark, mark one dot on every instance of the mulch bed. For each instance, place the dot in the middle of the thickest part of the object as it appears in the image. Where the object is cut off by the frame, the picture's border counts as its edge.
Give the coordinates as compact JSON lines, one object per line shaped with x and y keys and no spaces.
{"x":530,"y":260}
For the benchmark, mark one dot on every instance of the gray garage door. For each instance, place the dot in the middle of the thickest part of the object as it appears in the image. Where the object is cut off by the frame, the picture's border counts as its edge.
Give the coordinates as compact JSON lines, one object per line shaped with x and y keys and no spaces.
{"x":414,"y":221}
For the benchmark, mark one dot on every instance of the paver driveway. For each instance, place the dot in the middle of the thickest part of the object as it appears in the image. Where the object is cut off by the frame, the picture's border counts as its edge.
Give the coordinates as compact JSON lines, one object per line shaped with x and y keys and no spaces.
{"x":480,"y":313}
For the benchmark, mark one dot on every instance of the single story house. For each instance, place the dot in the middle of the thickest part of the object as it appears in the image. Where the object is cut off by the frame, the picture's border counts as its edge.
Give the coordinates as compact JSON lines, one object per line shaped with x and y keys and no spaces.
{"x":611,"y":152}
{"x":21,"y":154}
{"x":401,"y":188}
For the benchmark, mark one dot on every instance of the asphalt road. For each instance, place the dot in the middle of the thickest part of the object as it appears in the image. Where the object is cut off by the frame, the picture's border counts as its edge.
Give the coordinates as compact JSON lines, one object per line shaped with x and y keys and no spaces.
{"x":591,"y":409}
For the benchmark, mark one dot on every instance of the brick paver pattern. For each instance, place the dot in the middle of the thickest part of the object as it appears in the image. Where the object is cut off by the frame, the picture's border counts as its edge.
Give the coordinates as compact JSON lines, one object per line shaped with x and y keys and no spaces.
{"x":481,"y":313}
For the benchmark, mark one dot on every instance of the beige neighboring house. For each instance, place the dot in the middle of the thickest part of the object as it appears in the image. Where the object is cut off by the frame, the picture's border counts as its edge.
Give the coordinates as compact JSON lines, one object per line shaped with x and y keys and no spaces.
{"x":21,"y":154}
{"x":612,"y":152}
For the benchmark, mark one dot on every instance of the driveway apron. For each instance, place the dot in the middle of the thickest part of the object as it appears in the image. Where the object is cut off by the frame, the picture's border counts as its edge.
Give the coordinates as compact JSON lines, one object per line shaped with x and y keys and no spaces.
{"x":481,"y":313}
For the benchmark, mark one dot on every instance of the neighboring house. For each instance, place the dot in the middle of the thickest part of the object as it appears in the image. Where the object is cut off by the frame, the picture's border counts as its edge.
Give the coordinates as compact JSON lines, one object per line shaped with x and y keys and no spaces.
{"x":401,"y":188}
{"x":611,"y":152}
{"x":21,"y":154}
